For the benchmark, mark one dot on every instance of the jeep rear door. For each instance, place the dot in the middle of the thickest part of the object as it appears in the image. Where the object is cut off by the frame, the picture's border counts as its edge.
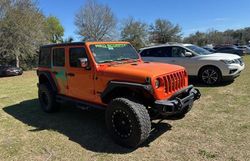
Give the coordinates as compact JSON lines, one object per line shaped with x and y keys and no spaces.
{"x":58,"y":69}
{"x":80,"y":80}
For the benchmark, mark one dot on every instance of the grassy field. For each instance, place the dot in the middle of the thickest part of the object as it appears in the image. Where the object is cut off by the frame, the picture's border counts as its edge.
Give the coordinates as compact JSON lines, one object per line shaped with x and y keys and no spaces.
{"x":217,"y":128}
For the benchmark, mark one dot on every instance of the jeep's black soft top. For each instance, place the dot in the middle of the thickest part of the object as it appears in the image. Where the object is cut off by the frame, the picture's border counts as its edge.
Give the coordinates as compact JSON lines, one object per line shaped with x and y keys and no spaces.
{"x":45,"y":52}
{"x":63,"y":44}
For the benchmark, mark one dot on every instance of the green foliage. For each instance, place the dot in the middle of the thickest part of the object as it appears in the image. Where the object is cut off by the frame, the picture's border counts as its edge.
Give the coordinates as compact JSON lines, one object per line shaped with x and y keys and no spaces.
{"x":23,"y":28}
{"x":206,"y":154}
{"x":163,"y":31}
{"x":240,"y":36}
{"x":54,"y":29}
{"x":198,"y":38}
{"x":135,"y":32}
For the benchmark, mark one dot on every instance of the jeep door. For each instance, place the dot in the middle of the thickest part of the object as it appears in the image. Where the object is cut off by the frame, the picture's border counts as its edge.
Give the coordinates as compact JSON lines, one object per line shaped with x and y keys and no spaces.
{"x":80,"y":80}
{"x":58,"y":69}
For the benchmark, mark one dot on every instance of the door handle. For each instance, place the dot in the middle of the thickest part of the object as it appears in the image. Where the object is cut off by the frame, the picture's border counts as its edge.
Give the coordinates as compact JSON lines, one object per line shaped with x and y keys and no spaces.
{"x":54,"y":72}
{"x":71,"y":74}
{"x":173,"y":61}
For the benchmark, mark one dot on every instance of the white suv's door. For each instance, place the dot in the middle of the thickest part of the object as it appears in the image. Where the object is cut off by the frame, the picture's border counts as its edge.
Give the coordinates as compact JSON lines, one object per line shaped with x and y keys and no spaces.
{"x":179,"y":57}
{"x":171,"y":55}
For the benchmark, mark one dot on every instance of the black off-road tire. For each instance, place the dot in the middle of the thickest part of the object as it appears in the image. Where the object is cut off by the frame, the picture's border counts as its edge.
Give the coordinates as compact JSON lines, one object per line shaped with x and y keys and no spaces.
{"x":127,"y":122}
{"x":208,"y":71}
{"x":47,"y":99}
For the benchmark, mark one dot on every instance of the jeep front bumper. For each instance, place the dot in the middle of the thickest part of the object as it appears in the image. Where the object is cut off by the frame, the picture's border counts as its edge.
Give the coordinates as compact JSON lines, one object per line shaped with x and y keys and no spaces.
{"x":180,"y":102}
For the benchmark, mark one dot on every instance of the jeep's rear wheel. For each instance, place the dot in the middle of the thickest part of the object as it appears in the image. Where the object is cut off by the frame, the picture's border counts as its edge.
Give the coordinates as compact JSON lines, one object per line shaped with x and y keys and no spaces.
{"x":128,"y":122}
{"x":47,"y":99}
{"x":210,"y":75}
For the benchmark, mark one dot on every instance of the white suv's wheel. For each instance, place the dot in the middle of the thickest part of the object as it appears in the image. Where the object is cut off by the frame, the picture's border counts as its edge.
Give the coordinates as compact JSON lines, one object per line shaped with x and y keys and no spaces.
{"x":210,"y":75}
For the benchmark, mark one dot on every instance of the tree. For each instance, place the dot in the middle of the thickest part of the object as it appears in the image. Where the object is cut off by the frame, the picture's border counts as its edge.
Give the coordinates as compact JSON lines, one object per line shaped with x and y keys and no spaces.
{"x":163,"y":31}
{"x":21,"y":31}
{"x":54,"y":29}
{"x":68,"y":40}
{"x":4,"y":4}
{"x":198,"y":38}
{"x":135,"y":32}
{"x":246,"y":35}
{"x":95,"y":22}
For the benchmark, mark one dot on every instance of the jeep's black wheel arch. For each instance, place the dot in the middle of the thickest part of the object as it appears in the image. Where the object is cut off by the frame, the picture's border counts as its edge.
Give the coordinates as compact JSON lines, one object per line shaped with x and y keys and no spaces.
{"x":46,"y":78}
{"x":125,"y":89}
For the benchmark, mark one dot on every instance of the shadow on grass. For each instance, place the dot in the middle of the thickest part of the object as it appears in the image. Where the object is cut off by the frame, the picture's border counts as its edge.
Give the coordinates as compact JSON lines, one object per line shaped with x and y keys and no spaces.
{"x":197,"y":83}
{"x":86,"y":128}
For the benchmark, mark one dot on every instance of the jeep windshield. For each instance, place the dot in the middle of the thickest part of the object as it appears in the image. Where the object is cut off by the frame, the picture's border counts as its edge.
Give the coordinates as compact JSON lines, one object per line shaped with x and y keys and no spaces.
{"x":105,"y":53}
{"x":198,"y":50}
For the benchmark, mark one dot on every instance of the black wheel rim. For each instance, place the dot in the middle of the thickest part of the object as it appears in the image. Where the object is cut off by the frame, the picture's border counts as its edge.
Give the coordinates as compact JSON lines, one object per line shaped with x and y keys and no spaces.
{"x":44,"y":99}
{"x":122,"y":124}
{"x":210,"y":76}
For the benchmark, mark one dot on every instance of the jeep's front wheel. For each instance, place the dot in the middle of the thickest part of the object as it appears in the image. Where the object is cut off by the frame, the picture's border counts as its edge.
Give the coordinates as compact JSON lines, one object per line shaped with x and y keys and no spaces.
{"x":47,"y":99}
{"x":128,"y":122}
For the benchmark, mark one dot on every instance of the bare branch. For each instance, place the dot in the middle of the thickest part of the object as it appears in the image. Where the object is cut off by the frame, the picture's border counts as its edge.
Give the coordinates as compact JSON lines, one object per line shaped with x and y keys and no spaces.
{"x":95,"y":21}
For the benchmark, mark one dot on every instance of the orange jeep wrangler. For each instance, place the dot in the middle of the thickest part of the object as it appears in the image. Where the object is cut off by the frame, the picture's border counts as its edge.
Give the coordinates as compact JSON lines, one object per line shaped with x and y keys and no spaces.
{"x":112,"y":76}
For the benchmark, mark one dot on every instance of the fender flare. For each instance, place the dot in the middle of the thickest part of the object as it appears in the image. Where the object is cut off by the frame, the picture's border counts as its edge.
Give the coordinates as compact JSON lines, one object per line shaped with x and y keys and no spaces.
{"x":48,"y":76}
{"x":112,"y":85}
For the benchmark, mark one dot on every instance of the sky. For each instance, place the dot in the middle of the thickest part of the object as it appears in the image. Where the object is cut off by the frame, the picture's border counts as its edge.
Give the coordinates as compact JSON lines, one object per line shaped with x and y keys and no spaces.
{"x":191,"y":15}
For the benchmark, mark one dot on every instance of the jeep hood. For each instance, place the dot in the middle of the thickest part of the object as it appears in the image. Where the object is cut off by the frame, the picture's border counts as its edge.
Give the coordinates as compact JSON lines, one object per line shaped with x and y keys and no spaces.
{"x":139,"y":70}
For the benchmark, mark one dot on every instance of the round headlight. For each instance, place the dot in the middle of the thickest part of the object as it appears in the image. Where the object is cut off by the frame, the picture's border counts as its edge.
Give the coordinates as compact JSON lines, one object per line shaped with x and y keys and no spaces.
{"x":157,"y":83}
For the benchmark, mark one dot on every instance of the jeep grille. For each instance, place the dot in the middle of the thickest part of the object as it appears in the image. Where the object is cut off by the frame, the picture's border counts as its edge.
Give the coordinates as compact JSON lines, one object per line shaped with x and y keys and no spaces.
{"x":174,"y":81}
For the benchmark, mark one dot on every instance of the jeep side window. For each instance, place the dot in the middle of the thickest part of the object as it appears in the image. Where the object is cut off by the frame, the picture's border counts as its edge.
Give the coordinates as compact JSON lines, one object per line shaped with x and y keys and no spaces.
{"x":178,"y":51}
{"x":45,"y":57}
{"x":75,"y":54}
{"x":58,"y":57}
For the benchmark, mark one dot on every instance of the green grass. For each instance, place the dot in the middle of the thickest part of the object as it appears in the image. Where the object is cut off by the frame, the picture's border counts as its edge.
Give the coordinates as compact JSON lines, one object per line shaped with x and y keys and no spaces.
{"x":217,"y":128}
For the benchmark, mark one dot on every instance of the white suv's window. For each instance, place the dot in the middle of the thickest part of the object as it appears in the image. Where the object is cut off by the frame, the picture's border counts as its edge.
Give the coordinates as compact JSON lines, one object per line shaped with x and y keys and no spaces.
{"x":157,"y":52}
{"x":198,"y":50}
{"x":178,"y":51}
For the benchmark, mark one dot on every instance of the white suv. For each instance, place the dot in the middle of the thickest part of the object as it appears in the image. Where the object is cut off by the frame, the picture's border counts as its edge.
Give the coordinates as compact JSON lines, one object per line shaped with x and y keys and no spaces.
{"x":211,"y":68}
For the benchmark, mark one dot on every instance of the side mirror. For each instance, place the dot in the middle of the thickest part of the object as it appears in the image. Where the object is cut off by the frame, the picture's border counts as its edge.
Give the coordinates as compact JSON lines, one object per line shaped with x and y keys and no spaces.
{"x":83,"y":62}
{"x":188,"y":54}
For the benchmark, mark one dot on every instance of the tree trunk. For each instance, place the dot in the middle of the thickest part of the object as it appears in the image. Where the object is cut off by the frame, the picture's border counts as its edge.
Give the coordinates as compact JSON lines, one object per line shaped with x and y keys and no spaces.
{"x":17,"y":61}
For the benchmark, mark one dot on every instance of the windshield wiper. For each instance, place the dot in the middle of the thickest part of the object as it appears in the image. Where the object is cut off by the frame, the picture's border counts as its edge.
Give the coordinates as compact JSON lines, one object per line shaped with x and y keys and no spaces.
{"x":127,"y":59}
{"x":106,"y":61}
{"x":117,"y":60}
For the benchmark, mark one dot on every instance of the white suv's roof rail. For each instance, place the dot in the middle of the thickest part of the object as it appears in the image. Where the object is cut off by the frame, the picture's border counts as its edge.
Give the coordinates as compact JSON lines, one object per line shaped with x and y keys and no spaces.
{"x":174,"y":43}
{"x":161,"y":45}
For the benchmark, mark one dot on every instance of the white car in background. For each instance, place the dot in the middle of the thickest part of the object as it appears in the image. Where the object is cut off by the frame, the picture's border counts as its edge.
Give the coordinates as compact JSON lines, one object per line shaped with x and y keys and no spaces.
{"x":210,"y":68}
